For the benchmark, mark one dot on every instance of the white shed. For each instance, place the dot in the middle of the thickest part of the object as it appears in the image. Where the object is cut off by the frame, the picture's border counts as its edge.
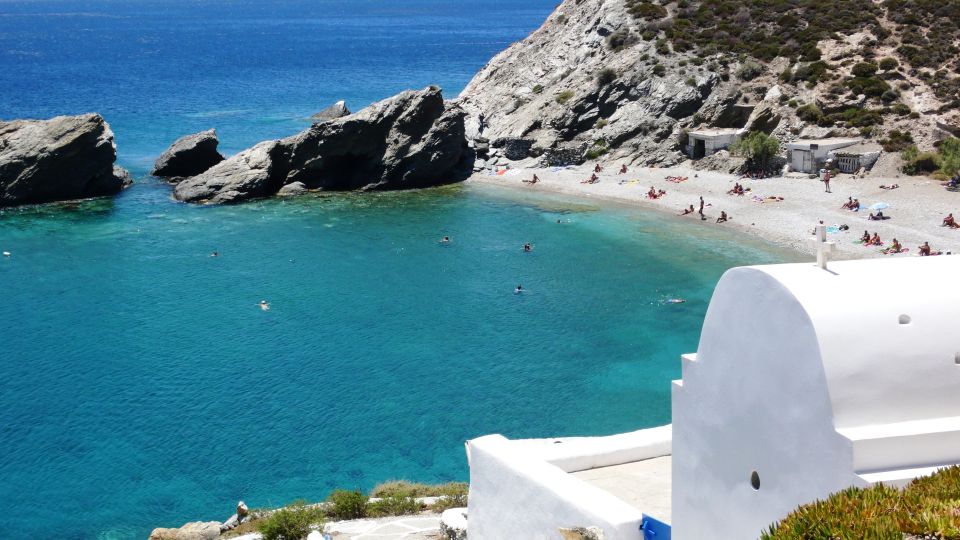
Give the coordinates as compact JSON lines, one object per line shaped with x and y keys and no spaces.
{"x":808,"y":155}
{"x":808,"y":381}
{"x":704,"y":142}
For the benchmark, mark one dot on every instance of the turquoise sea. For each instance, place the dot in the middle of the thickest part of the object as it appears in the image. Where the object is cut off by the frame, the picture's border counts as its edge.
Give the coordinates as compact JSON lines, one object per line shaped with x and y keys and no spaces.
{"x":142,"y":386}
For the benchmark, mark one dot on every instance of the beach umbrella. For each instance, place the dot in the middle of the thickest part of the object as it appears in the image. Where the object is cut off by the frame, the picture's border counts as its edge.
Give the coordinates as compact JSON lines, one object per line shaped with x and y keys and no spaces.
{"x":879,"y":206}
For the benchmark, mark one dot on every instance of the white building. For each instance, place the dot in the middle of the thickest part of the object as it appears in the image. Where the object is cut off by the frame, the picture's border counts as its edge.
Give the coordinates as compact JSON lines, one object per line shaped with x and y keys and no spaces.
{"x":805,"y":381}
{"x":704,"y":142}
{"x":808,"y":155}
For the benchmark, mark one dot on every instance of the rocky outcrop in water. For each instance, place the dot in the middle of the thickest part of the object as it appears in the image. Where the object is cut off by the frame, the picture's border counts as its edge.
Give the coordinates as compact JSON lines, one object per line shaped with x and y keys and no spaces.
{"x":64,"y":158}
{"x":337,"y":110}
{"x":411,"y":140}
{"x":189,"y":156}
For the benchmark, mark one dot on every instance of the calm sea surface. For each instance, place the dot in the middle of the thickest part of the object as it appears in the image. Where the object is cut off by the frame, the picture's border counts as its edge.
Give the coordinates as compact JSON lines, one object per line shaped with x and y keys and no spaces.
{"x":140,"y":384}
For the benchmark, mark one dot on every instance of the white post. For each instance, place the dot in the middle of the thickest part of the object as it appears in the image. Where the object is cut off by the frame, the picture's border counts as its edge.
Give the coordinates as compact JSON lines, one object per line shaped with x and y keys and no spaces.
{"x":823,"y":247}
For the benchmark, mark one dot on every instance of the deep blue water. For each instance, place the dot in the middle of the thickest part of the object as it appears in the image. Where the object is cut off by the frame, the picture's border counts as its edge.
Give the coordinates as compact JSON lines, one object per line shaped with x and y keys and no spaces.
{"x":140,"y":384}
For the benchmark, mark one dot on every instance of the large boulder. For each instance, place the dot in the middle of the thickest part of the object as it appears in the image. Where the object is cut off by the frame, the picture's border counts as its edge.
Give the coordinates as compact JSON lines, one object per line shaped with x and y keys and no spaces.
{"x":196,"y":530}
{"x":189,"y":156}
{"x":411,"y":140}
{"x":64,"y":158}
{"x":337,"y":110}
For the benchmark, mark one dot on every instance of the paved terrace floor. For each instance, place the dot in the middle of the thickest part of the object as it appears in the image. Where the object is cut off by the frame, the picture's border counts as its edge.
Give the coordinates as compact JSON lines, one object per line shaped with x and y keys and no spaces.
{"x":645,"y":485}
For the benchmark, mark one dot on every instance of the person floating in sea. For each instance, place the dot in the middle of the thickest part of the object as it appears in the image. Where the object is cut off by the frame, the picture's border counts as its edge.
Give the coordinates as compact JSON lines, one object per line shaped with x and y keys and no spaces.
{"x":6,"y":253}
{"x":527,"y":247}
{"x":264,"y":305}
{"x":723,"y":217}
{"x":518,"y":290}
{"x":445,"y":240}
{"x":623,"y":169}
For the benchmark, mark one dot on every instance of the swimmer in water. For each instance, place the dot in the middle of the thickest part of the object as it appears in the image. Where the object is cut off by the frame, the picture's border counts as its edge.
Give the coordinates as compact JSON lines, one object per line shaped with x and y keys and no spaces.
{"x":518,"y":290}
{"x":527,"y":247}
{"x":215,"y":254}
{"x":264,"y":305}
{"x":676,"y":301}
{"x":445,"y":240}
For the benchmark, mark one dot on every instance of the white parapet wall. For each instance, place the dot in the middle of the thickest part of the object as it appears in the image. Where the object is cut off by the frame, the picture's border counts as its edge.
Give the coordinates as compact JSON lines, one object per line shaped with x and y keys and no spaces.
{"x":523,"y":489}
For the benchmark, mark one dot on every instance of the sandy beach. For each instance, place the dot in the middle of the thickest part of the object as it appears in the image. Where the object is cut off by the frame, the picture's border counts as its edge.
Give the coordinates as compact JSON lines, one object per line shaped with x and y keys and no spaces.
{"x":916,"y":210}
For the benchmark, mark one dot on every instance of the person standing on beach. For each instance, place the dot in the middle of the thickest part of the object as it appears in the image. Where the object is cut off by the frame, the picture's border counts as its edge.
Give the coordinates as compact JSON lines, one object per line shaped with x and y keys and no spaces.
{"x":702,"y":217}
{"x":826,"y":180}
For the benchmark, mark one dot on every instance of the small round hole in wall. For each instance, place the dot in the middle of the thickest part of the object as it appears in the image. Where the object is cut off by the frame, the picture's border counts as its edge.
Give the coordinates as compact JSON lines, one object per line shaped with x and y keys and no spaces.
{"x":755,"y":480}
{"x":905,"y":319}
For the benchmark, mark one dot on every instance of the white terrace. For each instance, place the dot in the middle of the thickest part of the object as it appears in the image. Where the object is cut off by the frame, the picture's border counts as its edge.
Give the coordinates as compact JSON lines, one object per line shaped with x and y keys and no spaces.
{"x":806,"y":381}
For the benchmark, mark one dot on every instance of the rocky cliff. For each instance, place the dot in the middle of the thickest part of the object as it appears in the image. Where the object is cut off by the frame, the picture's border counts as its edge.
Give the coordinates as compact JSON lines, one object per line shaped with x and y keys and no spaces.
{"x":627,"y":79}
{"x":411,"y":140}
{"x":67,"y":157}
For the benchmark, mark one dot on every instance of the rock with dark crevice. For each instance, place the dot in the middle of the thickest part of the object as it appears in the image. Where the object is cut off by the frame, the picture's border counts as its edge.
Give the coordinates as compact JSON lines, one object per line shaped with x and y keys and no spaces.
{"x":411,"y":140}
{"x":60,"y":159}
{"x":189,"y":156}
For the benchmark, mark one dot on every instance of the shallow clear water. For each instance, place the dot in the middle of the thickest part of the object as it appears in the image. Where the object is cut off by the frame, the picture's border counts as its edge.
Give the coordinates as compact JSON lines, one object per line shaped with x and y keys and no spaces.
{"x":140,"y":383}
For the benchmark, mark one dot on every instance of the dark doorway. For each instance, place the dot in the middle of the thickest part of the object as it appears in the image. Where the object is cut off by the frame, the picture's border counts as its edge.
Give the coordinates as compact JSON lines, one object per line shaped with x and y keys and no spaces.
{"x":699,"y":148}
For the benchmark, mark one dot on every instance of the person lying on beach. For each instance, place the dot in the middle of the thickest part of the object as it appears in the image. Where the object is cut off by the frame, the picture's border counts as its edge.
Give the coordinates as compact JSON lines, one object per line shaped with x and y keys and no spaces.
{"x":736,"y":190}
{"x":894,"y":186}
{"x":675,"y":179}
{"x":533,"y":180}
{"x":623,"y":169}
{"x":878,"y":217}
{"x":597,"y":168}
{"x":592,"y":180}
{"x":950,"y":222}
{"x":687,"y":211}
{"x":865,"y":239}
{"x":723,"y":217}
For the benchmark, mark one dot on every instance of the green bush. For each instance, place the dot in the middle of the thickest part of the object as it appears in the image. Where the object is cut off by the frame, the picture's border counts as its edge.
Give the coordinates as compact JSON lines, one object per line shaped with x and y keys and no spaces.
{"x":950,"y":157}
{"x":621,"y":39}
{"x":564,"y":96}
{"x":897,"y":141}
{"x":538,"y":89}
{"x":659,"y":70}
{"x":749,"y":70}
{"x":394,"y":505}
{"x":925,"y":508}
{"x":758,"y":148}
{"x":346,"y":504}
{"x":864,"y":69}
{"x":870,"y":86}
{"x":691,"y":81}
{"x":606,"y":76}
{"x":889,"y":64}
{"x":809,"y":113}
{"x":293,"y":522}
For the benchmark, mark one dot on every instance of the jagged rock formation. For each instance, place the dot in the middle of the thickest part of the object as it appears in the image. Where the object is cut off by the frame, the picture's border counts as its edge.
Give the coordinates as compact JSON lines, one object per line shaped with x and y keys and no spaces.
{"x":625,"y":79}
{"x":196,"y":530}
{"x":188,"y":156}
{"x":411,"y":140}
{"x":64,"y":158}
{"x":337,"y":110}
